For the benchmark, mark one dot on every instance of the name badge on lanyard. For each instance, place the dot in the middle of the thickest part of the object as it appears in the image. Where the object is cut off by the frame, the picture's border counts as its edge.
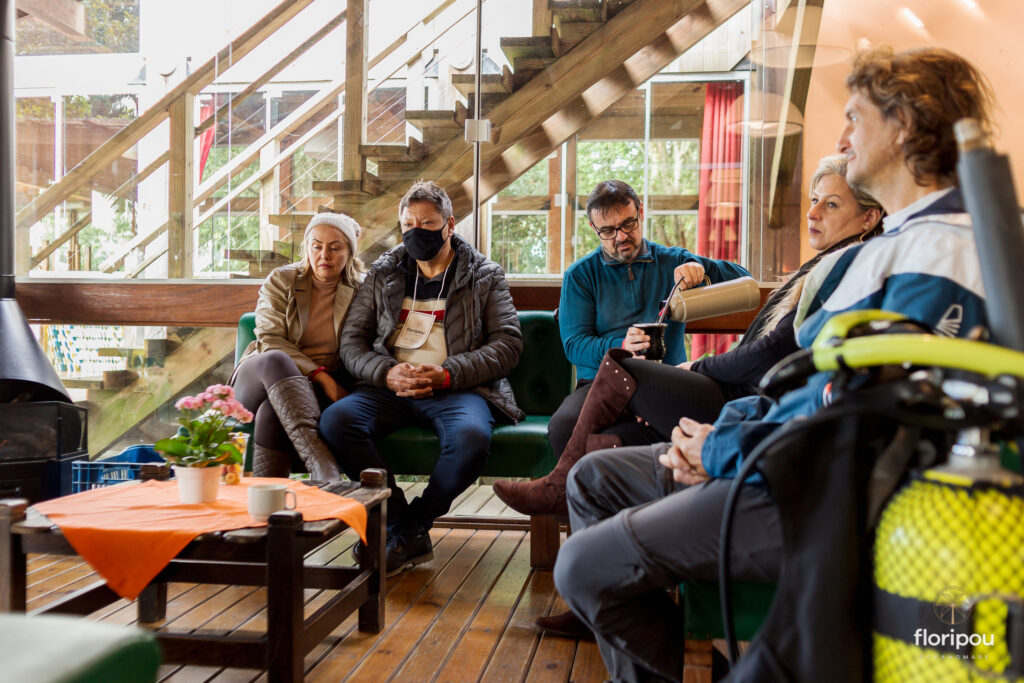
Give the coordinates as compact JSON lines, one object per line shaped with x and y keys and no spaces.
{"x":415,"y":330}
{"x":417,"y":325}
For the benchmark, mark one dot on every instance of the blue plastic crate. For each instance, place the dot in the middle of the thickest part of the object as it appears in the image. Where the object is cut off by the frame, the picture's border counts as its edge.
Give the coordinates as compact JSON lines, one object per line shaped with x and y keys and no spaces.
{"x":125,"y":466}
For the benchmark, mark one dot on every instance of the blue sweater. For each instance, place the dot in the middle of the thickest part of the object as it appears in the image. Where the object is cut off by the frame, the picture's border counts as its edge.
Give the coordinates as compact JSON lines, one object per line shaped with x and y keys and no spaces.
{"x":601,"y":298}
{"x":925,"y":266}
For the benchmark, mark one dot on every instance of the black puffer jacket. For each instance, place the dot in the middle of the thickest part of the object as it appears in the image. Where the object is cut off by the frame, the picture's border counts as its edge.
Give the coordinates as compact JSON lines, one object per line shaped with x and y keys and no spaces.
{"x":481,"y":327}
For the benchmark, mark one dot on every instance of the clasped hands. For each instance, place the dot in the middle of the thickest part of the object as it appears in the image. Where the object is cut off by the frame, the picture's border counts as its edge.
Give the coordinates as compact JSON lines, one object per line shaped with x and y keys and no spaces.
{"x":687,"y":275}
{"x":415,"y":381}
{"x":684,"y":457}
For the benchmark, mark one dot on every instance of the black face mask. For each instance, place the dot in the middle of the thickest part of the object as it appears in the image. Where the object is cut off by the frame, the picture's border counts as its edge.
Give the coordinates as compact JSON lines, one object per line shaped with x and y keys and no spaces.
{"x":423,"y":244}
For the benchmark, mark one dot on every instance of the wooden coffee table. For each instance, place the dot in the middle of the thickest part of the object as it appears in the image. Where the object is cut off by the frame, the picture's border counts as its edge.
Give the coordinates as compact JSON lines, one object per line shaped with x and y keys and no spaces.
{"x":270,"y":556}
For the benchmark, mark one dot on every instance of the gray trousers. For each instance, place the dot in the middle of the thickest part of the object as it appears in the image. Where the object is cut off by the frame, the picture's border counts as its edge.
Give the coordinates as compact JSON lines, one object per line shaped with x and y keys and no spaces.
{"x":635,"y":533}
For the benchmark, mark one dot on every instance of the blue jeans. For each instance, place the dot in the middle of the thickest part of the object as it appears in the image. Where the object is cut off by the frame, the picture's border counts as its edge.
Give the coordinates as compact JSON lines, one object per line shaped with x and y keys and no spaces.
{"x":462,"y":421}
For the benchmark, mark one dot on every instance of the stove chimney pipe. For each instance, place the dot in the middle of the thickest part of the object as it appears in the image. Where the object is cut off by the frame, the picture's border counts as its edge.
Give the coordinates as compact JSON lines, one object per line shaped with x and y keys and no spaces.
{"x":25,"y":371}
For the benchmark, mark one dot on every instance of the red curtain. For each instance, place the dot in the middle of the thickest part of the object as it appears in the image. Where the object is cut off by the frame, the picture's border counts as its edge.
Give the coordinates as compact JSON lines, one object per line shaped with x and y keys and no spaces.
{"x":718,"y":212}
{"x":206,"y":137}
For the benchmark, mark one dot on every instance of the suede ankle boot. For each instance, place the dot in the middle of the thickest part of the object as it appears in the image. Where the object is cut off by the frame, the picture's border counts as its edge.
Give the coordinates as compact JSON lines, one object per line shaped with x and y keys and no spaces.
{"x":266,"y":462}
{"x":608,"y":396}
{"x":298,"y":411}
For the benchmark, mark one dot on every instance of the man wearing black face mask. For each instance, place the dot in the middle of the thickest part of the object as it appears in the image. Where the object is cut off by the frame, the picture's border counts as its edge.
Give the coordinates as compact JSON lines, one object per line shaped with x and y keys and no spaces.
{"x":430,"y":337}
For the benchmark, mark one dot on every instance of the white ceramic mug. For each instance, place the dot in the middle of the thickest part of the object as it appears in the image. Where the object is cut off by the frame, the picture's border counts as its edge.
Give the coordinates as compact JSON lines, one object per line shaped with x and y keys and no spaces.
{"x":265,"y":499}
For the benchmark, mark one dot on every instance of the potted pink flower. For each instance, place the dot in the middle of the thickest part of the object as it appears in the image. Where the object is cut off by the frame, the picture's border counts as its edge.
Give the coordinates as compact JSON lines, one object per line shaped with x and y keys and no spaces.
{"x":204,"y":443}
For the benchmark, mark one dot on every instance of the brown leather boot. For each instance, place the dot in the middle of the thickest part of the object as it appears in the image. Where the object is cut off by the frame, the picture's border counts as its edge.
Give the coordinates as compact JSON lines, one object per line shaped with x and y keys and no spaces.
{"x":296,"y":407}
{"x":608,"y":396}
{"x":266,"y":462}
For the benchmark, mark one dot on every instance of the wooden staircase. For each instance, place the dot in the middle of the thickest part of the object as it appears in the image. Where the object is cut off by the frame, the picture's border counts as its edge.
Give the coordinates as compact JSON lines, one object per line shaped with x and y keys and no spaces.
{"x":596,"y":52}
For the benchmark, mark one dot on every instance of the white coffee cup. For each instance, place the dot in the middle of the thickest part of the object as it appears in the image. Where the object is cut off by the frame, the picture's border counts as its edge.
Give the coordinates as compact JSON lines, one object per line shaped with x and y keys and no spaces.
{"x":265,"y":499}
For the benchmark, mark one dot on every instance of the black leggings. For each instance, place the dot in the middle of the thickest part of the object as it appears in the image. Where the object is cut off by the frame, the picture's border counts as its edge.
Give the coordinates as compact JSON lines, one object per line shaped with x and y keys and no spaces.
{"x":665,"y":393}
{"x":252,"y":379}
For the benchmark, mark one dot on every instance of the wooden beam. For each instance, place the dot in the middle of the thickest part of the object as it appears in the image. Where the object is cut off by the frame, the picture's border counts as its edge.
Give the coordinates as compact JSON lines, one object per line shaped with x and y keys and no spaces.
{"x":630,"y":48}
{"x":55,"y":244}
{"x":541,"y":18}
{"x":111,"y":417}
{"x":271,"y":72}
{"x":354,"y":124}
{"x":179,"y":188}
{"x":806,"y":23}
{"x":222,"y":303}
{"x":67,"y":17}
{"x":152,"y":117}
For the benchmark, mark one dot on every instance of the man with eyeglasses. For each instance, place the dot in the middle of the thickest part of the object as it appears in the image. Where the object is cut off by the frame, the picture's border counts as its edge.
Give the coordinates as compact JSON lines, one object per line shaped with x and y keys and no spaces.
{"x":622,"y":282}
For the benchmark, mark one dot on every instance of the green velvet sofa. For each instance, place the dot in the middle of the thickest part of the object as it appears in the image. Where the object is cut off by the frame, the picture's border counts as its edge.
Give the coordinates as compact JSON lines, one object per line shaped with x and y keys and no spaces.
{"x":541,"y":380}
{"x":62,"y":649}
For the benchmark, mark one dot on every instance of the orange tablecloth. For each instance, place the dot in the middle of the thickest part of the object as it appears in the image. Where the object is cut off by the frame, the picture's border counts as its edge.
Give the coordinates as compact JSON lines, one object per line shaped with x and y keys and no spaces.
{"x":129,"y":533}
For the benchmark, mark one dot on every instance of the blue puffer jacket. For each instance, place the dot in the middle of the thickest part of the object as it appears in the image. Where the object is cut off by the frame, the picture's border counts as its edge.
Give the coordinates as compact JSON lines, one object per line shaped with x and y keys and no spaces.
{"x":601,"y":298}
{"x":925,"y":266}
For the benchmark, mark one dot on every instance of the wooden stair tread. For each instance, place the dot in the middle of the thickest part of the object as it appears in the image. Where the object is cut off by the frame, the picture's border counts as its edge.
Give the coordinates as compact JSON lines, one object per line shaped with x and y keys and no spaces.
{"x":414,"y":151}
{"x":368,"y":187}
{"x":577,"y":10}
{"x":292,"y":221}
{"x":118,"y":352}
{"x":254,"y":255}
{"x":83,"y":383}
{"x":444,"y":118}
{"x":531,"y":46}
{"x":489,"y":83}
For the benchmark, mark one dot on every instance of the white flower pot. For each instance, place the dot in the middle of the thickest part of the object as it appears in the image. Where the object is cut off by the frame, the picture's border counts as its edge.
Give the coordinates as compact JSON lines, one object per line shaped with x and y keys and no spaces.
{"x":197,"y":484}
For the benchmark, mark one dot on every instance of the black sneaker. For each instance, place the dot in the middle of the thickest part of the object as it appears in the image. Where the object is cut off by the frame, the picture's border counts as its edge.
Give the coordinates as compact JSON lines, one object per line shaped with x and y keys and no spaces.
{"x":407,"y":549}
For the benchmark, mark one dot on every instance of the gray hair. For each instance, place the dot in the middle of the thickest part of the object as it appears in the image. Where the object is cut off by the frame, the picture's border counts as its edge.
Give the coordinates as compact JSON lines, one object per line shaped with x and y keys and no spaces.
{"x":836,"y":165}
{"x":427,"y":191}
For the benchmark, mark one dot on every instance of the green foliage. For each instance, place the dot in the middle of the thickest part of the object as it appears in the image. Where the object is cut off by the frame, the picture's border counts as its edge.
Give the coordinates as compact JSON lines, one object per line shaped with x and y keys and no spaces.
{"x":207,"y":421}
{"x":674,"y":167}
{"x":598,"y":160}
{"x":306,"y":169}
{"x":533,"y":183}
{"x":100,"y":107}
{"x":111,"y":25}
{"x":36,"y":108}
{"x":106,"y":239}
{"x":674,"y":230}
{"x":519,"y":243}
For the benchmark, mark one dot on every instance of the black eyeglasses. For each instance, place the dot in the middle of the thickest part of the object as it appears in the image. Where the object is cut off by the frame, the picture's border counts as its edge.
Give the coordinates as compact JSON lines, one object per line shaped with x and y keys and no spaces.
{"x":628,"y":227}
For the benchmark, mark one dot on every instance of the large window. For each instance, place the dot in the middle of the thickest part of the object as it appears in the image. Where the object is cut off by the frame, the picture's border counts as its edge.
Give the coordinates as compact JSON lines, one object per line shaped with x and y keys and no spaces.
{"x":650,"y":139}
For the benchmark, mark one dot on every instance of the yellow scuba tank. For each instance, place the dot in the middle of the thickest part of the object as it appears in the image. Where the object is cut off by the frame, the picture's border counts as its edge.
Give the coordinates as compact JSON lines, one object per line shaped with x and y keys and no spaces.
{"x":949,"y":572}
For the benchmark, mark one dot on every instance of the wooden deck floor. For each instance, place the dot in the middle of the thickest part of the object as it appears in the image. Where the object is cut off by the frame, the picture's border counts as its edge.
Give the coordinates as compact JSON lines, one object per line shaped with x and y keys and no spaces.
{"x":465,"y":616}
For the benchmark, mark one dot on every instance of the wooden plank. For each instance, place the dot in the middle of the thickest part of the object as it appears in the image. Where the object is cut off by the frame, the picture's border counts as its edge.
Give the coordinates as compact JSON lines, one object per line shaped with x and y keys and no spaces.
{"x":511,"y":658}
{"x":129,"y":406}
{"x":152,"y":117}
{"x":267,"y":75}
{"x":537,"y":46}
{"x":408,"y":633}
{"x":587,"y":665}
{"x":477,"y":499}
{"x":221,"y":303}
{"x":64,"y":16}
{"x":179,"y":188}
{"x":41,"y":255}
{"x":403,"y":592}
{"x":430,"y":655}
{"x":554,"y":657}
{"x":354,"y":125}
{"x":473,"y":652}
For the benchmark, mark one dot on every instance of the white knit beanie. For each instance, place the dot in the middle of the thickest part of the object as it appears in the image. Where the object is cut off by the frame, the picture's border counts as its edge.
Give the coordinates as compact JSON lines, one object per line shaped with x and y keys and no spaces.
{"x":346,"y":225}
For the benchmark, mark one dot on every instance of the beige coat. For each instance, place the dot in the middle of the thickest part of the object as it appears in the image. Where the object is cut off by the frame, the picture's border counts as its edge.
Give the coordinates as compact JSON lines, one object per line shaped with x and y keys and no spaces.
{"x":282,"y":312}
